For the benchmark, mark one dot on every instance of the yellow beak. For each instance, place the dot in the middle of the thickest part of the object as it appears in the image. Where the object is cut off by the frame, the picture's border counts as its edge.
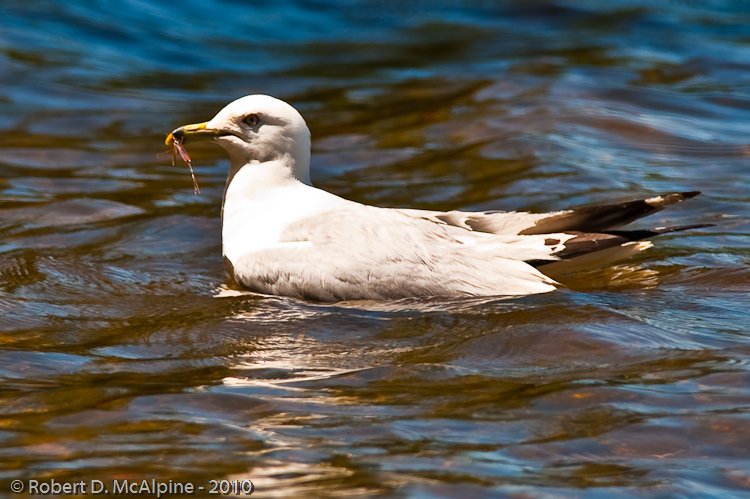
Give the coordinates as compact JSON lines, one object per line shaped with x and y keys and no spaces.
{"x":197,"y":131}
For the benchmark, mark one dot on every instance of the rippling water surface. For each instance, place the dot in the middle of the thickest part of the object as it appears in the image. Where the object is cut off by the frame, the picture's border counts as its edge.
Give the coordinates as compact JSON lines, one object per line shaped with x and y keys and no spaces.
{"x":116,"y":361}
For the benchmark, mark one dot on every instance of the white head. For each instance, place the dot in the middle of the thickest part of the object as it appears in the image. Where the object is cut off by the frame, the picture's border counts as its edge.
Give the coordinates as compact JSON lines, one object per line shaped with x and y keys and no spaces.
{"x":257,"y":129}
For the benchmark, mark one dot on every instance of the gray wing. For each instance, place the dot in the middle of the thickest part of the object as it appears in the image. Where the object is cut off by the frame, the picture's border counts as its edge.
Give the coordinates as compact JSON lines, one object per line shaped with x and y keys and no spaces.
{"x":589,"y":219}
{"x":364,"y":252}
{"x":589,"y":229}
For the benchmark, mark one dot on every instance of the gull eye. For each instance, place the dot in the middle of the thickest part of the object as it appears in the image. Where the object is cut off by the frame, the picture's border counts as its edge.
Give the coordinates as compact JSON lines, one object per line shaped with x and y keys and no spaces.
{"x":251,"y":119}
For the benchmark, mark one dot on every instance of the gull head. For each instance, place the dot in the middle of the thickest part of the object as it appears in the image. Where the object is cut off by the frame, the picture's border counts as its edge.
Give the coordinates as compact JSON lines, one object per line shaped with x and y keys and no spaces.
{"x":254,"y":130}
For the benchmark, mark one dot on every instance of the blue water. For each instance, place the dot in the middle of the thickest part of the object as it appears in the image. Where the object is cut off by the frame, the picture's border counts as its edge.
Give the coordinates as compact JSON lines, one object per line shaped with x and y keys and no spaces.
{"x":116,"y":361}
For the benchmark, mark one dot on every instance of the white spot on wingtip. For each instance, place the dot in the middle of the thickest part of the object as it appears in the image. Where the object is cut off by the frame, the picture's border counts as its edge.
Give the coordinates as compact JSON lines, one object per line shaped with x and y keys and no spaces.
{"x":655,"y":200}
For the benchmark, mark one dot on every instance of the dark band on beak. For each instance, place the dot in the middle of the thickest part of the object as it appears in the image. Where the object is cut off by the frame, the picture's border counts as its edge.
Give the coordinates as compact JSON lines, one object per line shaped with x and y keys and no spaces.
{"x":178,"y":134}
{"x":197,"y":131}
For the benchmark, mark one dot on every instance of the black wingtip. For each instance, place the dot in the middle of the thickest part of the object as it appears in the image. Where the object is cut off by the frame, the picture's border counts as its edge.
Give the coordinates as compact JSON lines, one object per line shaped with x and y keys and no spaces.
{"x":689,"y":194}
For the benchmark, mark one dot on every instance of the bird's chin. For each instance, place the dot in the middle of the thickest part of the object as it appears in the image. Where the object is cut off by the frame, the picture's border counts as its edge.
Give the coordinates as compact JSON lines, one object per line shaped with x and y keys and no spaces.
{"x":233,"y":144}
{"x":236,"y":148}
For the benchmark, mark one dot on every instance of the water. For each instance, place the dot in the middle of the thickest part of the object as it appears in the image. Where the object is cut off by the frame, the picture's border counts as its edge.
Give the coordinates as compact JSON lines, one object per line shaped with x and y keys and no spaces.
{"x":117,"y":363}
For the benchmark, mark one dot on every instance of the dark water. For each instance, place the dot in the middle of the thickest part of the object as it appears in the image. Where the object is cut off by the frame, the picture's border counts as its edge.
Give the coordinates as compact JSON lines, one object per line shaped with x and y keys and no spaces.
{"x":117,"y":363}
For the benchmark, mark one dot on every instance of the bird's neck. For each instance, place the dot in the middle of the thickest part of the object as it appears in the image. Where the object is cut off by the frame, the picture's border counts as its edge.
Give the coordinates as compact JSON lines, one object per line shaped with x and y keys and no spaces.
{"x":256,"y":180}
{"x":272,"y":172}
{"x":260,"y":199}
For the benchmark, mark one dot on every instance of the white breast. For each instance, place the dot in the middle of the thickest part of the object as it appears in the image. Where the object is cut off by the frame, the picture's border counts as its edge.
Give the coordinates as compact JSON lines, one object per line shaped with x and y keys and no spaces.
{"x":255,"y":213}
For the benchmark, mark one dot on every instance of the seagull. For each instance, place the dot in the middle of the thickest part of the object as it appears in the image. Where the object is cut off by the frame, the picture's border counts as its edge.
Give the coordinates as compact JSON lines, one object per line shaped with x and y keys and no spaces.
{"x":283,"y":236}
